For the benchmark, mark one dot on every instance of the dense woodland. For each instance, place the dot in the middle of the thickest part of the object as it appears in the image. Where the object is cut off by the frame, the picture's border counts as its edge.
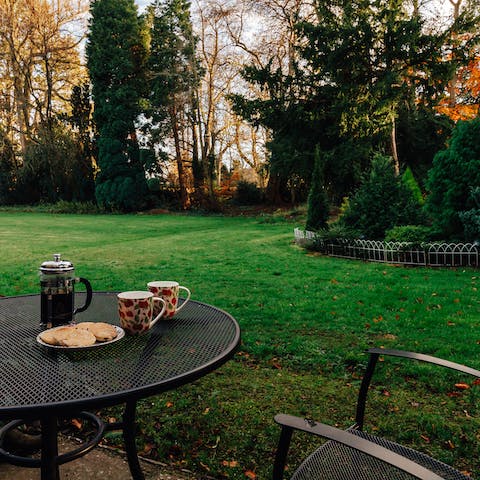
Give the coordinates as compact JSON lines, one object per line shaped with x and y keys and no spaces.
{"x":366,"y":107}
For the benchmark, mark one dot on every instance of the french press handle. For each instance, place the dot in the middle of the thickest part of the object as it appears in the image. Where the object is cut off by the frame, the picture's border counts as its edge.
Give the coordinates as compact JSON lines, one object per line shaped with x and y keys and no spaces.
{"x":88,"y":300}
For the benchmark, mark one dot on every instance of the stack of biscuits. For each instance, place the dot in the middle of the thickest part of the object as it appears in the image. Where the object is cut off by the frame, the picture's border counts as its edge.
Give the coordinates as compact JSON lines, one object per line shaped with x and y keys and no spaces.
{"x":83,"y":334}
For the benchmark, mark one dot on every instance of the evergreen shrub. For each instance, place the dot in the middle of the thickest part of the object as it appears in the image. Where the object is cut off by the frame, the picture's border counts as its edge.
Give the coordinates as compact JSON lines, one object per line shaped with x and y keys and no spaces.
{"x":471,"y":218}
{"x":381,"y":202}
{"x":454,"y":173}
{"x":411,"y":183}
{"x":248,"y":193}
{"x":409,"y":233}
{"x":471,"y":224}
{"x":337,"y":232}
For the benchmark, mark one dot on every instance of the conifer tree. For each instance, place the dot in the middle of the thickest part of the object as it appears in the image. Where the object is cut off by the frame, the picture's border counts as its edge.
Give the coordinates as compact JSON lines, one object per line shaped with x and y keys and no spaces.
{"x":318,"y":209}
{"x":116,"y":52}
{"x":173,"y":78}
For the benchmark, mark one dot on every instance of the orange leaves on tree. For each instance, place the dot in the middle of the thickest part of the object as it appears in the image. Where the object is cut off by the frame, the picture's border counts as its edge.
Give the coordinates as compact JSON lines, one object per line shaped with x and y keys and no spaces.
{"x":468,"y":86}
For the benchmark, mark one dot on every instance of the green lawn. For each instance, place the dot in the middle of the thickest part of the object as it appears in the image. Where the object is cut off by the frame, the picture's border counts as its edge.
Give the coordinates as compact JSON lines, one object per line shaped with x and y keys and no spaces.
{"x":306,"y":321}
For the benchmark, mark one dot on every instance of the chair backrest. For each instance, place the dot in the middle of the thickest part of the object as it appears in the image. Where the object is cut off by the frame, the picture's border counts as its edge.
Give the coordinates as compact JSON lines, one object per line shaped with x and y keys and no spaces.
{"x":375,"y":354}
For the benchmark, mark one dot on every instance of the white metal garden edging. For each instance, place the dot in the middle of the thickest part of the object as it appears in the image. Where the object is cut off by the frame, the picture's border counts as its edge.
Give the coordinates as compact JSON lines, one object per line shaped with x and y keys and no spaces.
{"x":426,"y":254}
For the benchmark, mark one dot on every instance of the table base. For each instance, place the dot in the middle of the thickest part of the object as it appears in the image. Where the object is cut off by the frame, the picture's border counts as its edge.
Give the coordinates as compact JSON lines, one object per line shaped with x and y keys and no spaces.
{"x":50,"y":459}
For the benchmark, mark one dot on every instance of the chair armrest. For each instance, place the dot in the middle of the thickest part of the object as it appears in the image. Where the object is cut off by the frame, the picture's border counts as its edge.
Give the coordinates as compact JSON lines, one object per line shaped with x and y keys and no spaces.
{"x":358,"y":443}
{"x":425,"y":358}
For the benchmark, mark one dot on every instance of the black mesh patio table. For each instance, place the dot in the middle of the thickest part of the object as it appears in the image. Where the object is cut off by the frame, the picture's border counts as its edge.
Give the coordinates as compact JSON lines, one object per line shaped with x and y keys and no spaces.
{"x":42,"y":383}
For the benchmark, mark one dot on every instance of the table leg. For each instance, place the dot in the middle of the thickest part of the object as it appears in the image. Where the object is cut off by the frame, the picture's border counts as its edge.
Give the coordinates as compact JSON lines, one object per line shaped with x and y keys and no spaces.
{"x":49,"y":466}
{"x":129,"y":428}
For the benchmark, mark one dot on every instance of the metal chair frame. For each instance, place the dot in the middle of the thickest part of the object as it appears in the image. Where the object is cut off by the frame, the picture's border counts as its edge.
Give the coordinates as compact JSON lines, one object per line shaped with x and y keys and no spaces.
{"x":290,"y":423}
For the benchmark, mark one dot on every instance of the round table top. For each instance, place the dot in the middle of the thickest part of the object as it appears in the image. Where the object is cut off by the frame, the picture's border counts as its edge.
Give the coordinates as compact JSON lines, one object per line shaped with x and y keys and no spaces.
{"x":36,"y":379}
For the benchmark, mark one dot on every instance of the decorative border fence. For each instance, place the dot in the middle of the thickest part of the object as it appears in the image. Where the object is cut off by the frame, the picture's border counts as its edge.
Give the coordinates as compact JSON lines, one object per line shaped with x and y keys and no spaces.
{"x":426,"y":254}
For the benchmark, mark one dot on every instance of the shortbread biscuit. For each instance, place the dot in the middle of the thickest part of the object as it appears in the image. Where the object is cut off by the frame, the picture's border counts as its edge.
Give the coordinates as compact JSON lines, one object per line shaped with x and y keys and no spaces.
{"x":84,"y":325}
{"x":54,"y":336}
{"x":48,"y":336}
{"x":78,"y":338}
{"x":103,"y":332}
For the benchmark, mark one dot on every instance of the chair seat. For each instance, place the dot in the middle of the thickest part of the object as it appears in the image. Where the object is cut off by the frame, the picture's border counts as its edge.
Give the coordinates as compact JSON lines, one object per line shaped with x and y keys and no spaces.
{"x":335,"y":461}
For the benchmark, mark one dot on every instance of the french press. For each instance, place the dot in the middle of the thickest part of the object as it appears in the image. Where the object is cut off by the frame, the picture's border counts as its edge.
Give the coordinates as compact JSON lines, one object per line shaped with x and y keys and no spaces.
{"x":57,"y":292}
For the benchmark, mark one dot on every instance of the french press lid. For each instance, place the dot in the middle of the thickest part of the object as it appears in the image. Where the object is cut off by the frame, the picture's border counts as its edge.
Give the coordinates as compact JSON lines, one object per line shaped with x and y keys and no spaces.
{"x":56,"y":265}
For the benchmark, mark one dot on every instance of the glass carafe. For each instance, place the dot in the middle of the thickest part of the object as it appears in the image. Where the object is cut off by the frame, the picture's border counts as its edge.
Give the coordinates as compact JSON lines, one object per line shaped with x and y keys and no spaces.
{"x":57,"y":292}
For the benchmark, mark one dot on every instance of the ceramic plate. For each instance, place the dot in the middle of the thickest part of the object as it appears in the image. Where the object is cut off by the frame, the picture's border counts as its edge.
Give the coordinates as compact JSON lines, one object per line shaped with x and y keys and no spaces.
{"x":120,"y":335}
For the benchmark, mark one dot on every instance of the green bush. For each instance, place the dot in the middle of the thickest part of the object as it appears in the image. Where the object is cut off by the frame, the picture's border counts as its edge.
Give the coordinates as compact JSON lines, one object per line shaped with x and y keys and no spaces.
{"x":382,"y":202}
{"x":409,"y":233}
{"x":471,"y":218}
{"x":454,"y":173}
{"x":471,"y":224}
{"x":338,"y":232}
{"x":248,"y":193}
{"x":411,"y":183}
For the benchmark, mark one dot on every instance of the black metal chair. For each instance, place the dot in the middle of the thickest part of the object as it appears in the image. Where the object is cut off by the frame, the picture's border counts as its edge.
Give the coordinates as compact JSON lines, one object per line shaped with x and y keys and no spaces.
{"x":355,"y":455}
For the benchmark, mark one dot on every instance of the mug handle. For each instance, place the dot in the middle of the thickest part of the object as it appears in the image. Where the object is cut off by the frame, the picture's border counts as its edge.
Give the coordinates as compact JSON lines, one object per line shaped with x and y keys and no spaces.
{"x":88,"y":300}
{"x":186,"y":300}
{"x":159,"y":316}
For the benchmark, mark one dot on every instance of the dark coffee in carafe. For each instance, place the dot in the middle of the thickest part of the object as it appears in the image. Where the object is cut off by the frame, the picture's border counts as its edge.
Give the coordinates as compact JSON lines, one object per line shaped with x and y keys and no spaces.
{"x":56,"y":304}
{"x":57,"y":293}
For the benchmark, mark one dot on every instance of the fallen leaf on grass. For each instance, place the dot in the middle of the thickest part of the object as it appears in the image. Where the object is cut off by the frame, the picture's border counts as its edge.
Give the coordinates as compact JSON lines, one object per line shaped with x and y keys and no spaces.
{"x":250,"y":474}
{"x":453,"y":394}
{"x":425,"y":438}
{"x":230,"y":463}
{"x":169,"y":404}
{"x":390,"y":336}
{"x":450,"y":445}
{"x":462,"y":386}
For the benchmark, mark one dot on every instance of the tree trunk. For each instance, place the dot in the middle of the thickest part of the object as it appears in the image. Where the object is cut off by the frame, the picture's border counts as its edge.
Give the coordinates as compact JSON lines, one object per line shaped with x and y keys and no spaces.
{"x":393,"y":146}
{"x":274,"y":190}
{"x":184,"y":196}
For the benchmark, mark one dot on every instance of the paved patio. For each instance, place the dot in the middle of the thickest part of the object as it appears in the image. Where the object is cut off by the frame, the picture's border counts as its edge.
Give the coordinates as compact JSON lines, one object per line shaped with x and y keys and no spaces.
{"x":100,"y":464}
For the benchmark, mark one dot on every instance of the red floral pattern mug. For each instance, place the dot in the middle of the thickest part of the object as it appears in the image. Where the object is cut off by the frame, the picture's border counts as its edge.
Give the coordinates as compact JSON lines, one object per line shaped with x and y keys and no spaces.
{"x":169,"y":291}
{"x":135,"y":310}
